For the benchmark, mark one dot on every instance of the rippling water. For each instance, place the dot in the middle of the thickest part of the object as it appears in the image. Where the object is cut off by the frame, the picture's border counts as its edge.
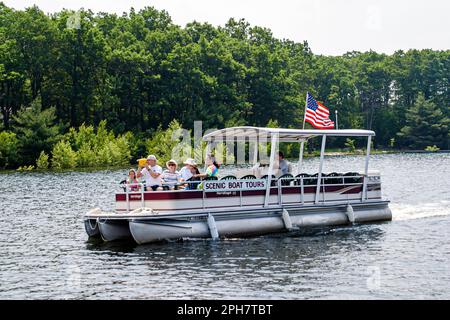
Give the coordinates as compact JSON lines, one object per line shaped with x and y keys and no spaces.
{"x":45,"y":253}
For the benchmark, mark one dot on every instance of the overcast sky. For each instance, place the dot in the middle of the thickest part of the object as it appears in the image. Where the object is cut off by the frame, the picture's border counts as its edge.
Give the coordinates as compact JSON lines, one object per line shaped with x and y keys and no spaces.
{"x":331,"y":27}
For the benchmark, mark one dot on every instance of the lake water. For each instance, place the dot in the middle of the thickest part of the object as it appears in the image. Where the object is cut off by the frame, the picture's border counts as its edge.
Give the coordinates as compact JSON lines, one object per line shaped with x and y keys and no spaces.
{"x":45,"y":253}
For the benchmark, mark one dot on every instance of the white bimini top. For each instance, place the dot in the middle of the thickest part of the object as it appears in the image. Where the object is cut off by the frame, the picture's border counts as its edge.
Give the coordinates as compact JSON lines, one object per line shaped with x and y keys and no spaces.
{"x":284,"y":135}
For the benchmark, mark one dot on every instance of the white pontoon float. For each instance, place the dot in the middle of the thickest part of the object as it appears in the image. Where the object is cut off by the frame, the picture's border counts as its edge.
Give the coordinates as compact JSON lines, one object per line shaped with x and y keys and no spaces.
{"x":252,"y":202}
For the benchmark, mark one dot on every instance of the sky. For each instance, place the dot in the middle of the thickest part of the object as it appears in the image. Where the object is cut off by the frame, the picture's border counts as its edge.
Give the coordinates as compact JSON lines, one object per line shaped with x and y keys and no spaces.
{"x":331,"y":27}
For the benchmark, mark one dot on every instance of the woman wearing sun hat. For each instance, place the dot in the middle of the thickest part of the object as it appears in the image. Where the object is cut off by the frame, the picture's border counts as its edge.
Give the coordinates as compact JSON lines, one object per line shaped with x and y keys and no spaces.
{"x":171,"y":177}
{"x":188,"y":172}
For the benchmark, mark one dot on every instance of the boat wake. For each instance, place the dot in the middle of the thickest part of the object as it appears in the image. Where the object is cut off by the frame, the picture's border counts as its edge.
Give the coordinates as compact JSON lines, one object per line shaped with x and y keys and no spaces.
{"x":418,"y":211}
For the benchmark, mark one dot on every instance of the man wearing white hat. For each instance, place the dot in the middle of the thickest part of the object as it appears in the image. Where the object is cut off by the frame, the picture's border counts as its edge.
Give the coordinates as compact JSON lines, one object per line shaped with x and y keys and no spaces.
{"x":151,"y":173}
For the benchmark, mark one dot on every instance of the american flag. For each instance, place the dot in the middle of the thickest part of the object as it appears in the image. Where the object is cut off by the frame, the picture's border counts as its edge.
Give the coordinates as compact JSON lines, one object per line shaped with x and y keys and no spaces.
{"x":317,"y":114}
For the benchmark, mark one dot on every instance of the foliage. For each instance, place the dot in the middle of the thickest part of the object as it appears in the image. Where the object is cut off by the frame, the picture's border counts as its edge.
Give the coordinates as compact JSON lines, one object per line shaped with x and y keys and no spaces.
{"x":350,"y":144}
{"x":63,"y":157}
{"x":433,"y":148}
{"x":164,"y":143}
{"x":99,"y":147}
{"x":391,"y":142}
{"x":42,"y":162}
{"x":425,"y":125}
{"x":8,"y":149}
{"x":36,"y":131}
{"x":86,"y":157}
{"x":25,"y":168}
{"x":138,"y":72}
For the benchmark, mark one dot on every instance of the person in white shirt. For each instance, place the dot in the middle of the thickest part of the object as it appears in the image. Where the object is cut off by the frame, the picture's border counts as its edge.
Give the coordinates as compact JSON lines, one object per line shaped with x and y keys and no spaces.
{"x":151,"y":173}
{"x":171,"y":177}
{"x":186,"y":171}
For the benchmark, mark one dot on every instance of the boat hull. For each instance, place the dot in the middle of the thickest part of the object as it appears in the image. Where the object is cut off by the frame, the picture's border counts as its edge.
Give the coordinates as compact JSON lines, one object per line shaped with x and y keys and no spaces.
{"x":114,"y":229}
{"x":91,"y":227}
{"x":259,"y":222}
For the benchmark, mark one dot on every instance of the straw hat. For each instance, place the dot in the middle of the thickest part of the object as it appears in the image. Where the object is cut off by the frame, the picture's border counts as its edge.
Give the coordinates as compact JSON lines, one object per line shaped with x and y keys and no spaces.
{"x":151,"y":157}
{"x":171,"y":161}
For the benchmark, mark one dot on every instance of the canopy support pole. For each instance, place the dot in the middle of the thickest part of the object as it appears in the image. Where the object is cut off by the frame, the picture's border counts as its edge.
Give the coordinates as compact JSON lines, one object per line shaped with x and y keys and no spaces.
{"x":366,"y":168}
{"x":255,"y":152}
{"x":273,"y":147}
{"x":319,"y":176}
{"x":207,"y":152}
{"x":300,"y":157}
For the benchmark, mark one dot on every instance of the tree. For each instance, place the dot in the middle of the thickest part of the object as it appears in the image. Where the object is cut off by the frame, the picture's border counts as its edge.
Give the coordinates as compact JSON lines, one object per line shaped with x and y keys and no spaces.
{"x":164,"y":143}
{"x":426,"y":125}
{"x":34,"y":37}
{"x":8,"y":149}
{"x":139,"y":71}
{"x":81,"y":69}
{"x":36,"y":131}
{"x":63,"y":157}
{"x":13,"y":79}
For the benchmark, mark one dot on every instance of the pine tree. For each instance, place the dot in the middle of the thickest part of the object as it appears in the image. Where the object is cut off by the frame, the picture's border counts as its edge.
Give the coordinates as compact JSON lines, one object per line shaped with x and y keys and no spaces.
{"x":36,"y":131}
{"x":426,"y":125}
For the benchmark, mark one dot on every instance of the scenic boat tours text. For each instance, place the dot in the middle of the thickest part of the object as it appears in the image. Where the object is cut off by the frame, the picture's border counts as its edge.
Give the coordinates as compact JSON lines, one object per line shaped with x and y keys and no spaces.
{"x":255,"y":184}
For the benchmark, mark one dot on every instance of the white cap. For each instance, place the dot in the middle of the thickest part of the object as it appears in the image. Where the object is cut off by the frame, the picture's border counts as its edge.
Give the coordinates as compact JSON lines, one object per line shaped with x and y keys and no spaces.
{"x":151,"y":157}
{"x":191,"y":162}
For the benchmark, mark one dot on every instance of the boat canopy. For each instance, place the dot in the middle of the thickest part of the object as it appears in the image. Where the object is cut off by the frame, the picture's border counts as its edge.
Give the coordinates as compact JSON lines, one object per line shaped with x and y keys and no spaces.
{"x":284,"y":135}
{"x":276,"y":135}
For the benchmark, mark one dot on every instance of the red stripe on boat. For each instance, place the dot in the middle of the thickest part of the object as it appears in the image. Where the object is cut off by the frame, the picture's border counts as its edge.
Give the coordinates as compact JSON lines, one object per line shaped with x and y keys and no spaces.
{"x":198,"y":194}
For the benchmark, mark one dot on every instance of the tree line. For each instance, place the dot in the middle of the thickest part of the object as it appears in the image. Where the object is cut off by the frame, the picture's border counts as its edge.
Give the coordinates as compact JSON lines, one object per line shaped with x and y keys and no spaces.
{"x":138,"y":72}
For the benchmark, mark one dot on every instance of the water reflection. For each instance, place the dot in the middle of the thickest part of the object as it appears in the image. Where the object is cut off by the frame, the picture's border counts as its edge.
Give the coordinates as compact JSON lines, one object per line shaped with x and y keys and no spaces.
{"x":295,"y":252}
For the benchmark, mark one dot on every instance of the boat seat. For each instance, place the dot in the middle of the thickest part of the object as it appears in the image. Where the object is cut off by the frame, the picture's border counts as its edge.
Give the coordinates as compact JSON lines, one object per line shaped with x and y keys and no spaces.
{"x":230,"y":177}
{"x":265,"y":176}
{"x":249,"y":176}
{"x":211,"y":178}
{"x":352,"y":179}
{"x":333,"y":178}
{"x":297,"y":180}
{"x":122,"y":184}
{"x":274,"y":181}
{"x":312,"y":180}
{"x":193,"y":185}
{"x":308,"y":179}
{"x":286,"y":179}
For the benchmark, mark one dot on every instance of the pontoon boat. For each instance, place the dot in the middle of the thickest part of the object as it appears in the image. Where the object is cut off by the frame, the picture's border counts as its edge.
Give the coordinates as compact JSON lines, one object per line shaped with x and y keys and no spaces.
{"x":253,"y":201}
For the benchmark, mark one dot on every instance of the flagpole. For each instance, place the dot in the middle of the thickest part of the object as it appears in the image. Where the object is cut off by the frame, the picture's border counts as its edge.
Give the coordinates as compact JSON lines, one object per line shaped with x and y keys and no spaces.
{"x":302,"y":144}
{"x":337,"y":126}
{"x":304,"y":114}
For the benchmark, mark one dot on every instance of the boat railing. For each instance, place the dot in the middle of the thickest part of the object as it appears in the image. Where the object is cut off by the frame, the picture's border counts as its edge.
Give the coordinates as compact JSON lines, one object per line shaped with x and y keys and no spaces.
{"x":326,"y":181}
{"x":281,"y":184}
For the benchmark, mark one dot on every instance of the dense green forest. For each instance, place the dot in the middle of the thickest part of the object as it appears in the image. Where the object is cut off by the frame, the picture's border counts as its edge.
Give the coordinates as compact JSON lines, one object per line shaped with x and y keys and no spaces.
{"x":77,"y":88}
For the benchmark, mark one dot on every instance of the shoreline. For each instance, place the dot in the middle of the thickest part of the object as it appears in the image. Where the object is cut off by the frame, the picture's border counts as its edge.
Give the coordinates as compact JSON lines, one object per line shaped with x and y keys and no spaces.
{"x":372,"y":152}
{"x":306,"y":155}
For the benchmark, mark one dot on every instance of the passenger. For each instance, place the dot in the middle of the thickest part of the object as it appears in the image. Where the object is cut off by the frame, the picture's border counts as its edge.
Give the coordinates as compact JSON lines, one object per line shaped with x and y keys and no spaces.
{"x":195,"y":173}
{"x":283,"y":164}
{"x":132,"y":181}
{"x":195,"y":177}
{"x":212,"y":169}
{"x":171,"y":177}
{"x":186,"y":172}
{"x":151,"y":173}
